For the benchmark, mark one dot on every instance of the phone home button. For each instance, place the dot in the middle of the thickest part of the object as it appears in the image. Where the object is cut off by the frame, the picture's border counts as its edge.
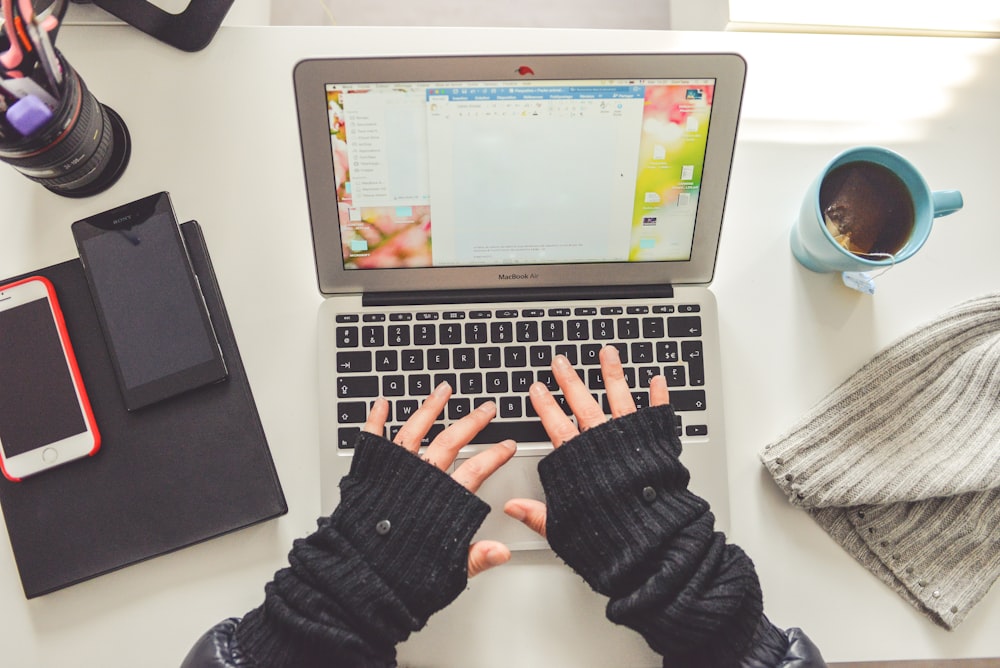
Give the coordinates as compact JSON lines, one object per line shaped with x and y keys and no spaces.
{"x":50,"y":455}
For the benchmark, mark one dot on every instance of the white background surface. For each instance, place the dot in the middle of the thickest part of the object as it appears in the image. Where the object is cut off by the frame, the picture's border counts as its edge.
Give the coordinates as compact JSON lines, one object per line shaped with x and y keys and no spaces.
{"x":218,"y":130}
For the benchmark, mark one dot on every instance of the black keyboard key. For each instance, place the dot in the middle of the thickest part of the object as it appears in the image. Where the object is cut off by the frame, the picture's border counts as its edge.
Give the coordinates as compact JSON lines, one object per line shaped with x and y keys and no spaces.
{"x":611,"y":310}
{"x":689,"y":308}
{"x":393,"y":386}
{"x":502,"y":331}
{"x":354,"y":361}
{"x":413,"y":360}
{"x":667,"y":351}
{"x":373,"y":317}
{"x":636,"y":310}
{"x":692,"y":353}
{"x":347,"y":337}
{"x":400,"y":317}
{"x":577,"y":330}
{"x":540,"y":356}
{"x":520,"y":381}
{"x":509,"y":407}
{"x":490,"y":358}
{"x":480,"y":315}
{"x":628,"y":328}
{"x":419,"y":385}
{"x":663,"y":308}
{"x":347,"y":436}
{"x":373,"y":336}
{"x":521,"y":431}
{"x":349,"y":412}
{"x":449,"y":378}
{"x":652,"y":328}
{"x":552,"y":330}
{"x":515,"y":357}
{"x":603,"y":329}
{"x":438,"y":358}
{"x":532,"y":313}
{"x":684,"y":327}
{"x":463,"y":358}
{"x":424,"y":334}
{"x":507,"y":313}
{"x":386,"y":360}
{"x":454,"y":315}
{"x":470,"y":383}
{"x":398,"y":335}
{"x":424,"y":316}
{"x":405,"y":408}
{"x":569,"y":352}
{"x":688,"y":400}
{"x":646,"y":374}
{"x":357,"y":386}
{"x":696,"y":430}
{"x":497,"y":382}
{"x":476,"y":332}
{"x":347,"y":317}
{"x":527,"y":331}
{"x":622,"y":351}
{"x":642,"y":352}
{"x":590,"y":353}
{"x":450,"y":333}
{"x":458,"y":408}
{"x":595,"y":379}
{"x":675,"y":375}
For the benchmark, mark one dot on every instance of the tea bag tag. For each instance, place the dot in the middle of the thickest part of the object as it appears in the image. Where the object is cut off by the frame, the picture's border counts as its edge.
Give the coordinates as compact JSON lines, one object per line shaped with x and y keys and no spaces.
{"x":862,"y":281}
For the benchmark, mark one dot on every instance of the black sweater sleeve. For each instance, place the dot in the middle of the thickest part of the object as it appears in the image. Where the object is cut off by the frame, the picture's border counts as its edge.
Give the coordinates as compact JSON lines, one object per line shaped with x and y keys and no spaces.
{"x":621,"y":515}
{"x":394,"y":552}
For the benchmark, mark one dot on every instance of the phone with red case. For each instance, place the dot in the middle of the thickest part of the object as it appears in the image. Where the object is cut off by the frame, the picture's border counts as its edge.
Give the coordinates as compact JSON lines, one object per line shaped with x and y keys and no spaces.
{"x":45,"y":415}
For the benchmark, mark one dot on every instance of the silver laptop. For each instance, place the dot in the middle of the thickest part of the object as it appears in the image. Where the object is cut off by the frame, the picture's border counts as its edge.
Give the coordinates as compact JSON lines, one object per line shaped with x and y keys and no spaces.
{"x":472,"y":217}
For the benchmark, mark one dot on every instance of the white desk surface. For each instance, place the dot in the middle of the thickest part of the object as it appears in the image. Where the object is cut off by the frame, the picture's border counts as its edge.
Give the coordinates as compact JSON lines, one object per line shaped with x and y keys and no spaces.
{"x":218,"y":130}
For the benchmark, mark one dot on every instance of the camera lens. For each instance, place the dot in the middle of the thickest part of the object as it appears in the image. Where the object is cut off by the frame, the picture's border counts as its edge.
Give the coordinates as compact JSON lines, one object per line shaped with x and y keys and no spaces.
{"x":81,"y":151}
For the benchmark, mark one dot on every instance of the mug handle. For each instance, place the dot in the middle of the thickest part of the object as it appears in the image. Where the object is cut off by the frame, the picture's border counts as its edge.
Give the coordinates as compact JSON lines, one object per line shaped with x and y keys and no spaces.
{"x":946,"y":202}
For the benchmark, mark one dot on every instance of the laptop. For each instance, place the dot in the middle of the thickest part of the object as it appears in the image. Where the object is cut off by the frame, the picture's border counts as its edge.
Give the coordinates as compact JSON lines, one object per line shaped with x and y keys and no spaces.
{"x":474,"y":216}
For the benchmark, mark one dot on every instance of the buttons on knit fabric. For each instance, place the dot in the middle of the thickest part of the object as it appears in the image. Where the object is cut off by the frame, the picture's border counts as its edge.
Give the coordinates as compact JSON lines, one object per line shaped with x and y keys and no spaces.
{"x":648,"y":494}
{"x":383,"y":527}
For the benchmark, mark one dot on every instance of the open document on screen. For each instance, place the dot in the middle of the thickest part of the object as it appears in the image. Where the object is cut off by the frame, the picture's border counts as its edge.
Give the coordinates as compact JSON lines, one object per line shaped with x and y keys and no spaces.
{"x":507,"y":173}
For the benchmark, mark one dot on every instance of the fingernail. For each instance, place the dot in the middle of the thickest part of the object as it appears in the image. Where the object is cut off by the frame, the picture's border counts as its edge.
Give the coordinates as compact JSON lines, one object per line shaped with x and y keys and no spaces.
{"x":442,"y":388}
{"x":613,"y":350}
{"x":561,"y":360}
{"x":487,"y":407}
{"x":537,"y":388}
{"x":495,"y":557}
{"x":509,"y":444}
{"x":517,"y":512}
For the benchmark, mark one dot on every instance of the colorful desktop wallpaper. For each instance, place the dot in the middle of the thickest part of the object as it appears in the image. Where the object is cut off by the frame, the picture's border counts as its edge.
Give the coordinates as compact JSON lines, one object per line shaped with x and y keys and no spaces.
{"x":671,"y":157}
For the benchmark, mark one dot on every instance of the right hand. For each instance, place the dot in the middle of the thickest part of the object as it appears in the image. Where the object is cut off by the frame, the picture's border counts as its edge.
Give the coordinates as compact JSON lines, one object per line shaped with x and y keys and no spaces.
{"x":588,"y":413}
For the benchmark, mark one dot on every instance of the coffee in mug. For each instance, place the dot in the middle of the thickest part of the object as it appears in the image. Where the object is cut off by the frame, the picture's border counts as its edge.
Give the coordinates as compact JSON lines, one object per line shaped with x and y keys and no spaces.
{"x":868,"y":208}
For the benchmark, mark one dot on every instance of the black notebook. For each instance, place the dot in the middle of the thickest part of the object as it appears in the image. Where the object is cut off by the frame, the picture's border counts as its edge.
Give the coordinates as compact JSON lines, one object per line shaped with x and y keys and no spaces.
{"x":167,"y":476}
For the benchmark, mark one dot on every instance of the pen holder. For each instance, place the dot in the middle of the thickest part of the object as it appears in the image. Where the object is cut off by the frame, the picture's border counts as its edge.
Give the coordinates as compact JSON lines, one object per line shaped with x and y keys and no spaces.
{"x":81,"y":151}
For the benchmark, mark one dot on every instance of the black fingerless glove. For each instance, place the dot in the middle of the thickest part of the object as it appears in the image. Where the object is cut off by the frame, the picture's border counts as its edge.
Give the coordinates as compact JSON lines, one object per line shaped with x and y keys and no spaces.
{"x":394,"y":552}
{"x":620,"y":515}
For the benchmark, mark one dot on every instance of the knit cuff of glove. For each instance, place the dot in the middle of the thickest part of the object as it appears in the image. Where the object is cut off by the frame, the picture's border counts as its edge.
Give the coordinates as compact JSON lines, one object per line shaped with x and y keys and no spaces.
{"x":616,"y":494}
{"x":394,"y":552}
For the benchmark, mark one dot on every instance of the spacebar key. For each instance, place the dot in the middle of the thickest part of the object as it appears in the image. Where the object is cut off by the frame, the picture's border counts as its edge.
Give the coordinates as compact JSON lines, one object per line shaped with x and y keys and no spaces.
{"x":522,"y":432}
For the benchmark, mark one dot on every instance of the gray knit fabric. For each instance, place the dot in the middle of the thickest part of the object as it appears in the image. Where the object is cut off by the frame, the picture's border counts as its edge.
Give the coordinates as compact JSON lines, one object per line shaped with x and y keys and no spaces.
{"x":901,"y":463}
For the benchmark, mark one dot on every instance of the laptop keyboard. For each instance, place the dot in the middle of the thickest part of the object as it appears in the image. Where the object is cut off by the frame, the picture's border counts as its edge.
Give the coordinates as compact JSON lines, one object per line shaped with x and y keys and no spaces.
{"x":496,"y":354}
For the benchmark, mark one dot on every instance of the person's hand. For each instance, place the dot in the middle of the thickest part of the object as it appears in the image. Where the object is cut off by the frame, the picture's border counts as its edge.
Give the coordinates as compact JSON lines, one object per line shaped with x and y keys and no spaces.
{"x":442,"y":451}
{"x":588,"y":413}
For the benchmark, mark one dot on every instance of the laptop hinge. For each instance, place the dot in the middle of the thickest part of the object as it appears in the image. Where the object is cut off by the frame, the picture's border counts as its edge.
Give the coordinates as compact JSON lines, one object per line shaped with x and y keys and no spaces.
{"x":491,"y":296}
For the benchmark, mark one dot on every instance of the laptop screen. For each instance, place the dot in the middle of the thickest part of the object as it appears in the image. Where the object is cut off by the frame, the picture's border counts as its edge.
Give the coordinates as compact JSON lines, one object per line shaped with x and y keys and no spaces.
{"x":437,"y":173}
{"x":497,"y":173}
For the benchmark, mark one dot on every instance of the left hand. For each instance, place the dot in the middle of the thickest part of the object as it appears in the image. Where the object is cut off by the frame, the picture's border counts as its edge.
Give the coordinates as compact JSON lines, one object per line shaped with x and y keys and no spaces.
{"x":444,"y":448}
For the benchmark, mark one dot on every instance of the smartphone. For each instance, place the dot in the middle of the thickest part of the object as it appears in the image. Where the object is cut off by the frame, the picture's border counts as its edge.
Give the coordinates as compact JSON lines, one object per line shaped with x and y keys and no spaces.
{"x":156,"y":325}
{"x":45,"y":415}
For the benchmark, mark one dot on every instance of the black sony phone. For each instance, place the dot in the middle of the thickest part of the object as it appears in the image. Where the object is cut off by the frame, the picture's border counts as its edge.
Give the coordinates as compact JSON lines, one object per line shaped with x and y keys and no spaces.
{"x":156,"y":325}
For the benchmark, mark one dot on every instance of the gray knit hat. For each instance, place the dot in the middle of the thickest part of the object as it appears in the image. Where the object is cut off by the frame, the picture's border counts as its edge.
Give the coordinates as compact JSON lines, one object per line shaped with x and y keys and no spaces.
{"x":901,"y":463}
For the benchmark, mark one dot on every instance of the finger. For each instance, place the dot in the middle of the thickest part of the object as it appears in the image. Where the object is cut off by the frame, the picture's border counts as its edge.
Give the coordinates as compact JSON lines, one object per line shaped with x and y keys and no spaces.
{"x":471,"y":473}
{"x":659,"y":394}
{"x":442,"y":450}
{"x":485,"y":554}
{"x":529,"y":511}
{"x":556,"y":423}
{"x":586,"y":409}
{"x":379,"y":413}
{"x":619,"y":395}
{"x":414,"y":429}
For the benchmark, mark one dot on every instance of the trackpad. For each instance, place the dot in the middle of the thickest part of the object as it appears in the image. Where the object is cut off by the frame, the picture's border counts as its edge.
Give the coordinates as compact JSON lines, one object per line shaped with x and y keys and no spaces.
{"x":518,"y":478}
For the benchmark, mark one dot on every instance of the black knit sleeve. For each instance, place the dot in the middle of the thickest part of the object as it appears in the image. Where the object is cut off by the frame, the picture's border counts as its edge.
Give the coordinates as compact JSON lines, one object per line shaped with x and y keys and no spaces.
{"x":394,"y":552}
{"x":621,"y":515}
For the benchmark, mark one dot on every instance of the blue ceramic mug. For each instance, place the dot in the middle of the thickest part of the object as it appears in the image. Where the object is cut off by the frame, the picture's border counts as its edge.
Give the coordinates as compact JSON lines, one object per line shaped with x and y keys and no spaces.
{"x":816,"y":248}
